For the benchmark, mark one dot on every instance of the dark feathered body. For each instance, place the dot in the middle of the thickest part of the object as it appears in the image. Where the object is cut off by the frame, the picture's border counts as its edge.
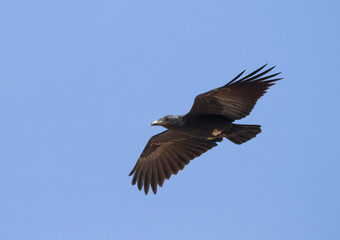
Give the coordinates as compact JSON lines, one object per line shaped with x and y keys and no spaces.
{"x":210,"y":127}
{"x":208,"y":122}
{"x":201,"y":126}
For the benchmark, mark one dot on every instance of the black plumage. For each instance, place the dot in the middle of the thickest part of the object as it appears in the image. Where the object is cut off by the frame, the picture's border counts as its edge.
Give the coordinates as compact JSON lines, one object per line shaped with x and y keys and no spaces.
{"x":208,"y":122}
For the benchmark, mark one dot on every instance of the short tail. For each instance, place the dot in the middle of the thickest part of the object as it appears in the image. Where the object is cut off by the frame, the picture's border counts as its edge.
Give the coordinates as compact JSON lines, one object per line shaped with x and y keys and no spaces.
{"x":239,"y":133}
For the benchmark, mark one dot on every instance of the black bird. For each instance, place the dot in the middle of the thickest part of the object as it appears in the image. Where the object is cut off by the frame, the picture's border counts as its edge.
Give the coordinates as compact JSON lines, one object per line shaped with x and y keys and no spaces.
{"x":209,"y":121}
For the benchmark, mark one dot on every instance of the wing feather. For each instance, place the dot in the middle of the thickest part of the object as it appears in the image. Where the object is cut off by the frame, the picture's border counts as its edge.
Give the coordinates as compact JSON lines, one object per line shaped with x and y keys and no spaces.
{"x":161,"y":174}
{"x":155,"y":174}
{"x":177,"y":158}
{"x":142,"y":176}
{"x":164,"y":155}
{"x":166,"y":167}
{"x":236,"y":99}
{"x":148,"y":176}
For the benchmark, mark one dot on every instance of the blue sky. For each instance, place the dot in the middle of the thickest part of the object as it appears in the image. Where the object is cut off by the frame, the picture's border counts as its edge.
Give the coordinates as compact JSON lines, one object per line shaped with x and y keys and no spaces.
{"x":81,"y":81}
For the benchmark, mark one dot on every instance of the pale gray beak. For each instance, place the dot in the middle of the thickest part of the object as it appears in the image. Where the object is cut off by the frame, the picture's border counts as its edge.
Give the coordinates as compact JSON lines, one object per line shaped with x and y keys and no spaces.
{"x":157,"y":123}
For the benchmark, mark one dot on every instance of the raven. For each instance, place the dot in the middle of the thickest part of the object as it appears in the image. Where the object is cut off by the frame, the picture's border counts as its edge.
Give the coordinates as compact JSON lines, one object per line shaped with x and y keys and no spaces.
{"x":208,"y":122}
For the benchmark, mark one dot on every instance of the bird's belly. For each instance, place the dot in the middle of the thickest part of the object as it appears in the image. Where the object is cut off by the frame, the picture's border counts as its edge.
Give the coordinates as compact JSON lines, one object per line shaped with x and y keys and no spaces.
{"x":208,"y":127}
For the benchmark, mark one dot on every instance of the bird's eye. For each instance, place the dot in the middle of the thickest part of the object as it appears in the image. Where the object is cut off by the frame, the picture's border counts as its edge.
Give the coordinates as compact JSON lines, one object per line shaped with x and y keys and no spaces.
{"x":166,"y":119}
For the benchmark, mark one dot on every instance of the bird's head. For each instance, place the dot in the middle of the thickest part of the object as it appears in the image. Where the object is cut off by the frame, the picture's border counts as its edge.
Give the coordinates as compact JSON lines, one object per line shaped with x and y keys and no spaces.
{"x":169,"y":121}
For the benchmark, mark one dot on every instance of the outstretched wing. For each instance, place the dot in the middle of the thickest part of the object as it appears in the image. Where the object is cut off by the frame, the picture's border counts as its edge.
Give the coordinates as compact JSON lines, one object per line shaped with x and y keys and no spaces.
{"x":165,"y":154}
{"x":236,"y":99}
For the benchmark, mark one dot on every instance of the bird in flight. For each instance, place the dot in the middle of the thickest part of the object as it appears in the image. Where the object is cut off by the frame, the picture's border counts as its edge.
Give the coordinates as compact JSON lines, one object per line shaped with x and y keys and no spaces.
{"x":208,"y":122}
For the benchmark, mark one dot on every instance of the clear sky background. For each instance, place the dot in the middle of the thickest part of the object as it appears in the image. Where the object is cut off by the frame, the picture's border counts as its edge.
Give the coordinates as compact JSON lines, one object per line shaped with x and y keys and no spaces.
{"x":81,"y":81}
